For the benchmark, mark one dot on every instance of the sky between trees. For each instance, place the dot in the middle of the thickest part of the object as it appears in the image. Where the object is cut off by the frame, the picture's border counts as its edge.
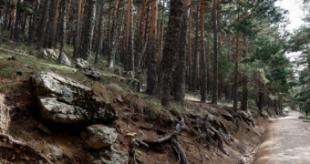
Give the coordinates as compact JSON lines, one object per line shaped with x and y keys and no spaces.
{"x":295,"y":16}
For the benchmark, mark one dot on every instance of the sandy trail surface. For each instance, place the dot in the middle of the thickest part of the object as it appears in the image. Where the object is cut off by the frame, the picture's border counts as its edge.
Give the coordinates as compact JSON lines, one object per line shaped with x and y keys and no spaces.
{"x":287,"y":142}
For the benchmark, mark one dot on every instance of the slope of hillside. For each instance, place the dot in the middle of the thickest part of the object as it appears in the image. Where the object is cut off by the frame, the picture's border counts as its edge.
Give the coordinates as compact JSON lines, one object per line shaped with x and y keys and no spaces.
{"x":146,"y":131}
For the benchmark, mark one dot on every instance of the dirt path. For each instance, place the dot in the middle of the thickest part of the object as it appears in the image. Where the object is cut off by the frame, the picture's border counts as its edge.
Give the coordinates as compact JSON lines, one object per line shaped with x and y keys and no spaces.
{"x":288,"y":142}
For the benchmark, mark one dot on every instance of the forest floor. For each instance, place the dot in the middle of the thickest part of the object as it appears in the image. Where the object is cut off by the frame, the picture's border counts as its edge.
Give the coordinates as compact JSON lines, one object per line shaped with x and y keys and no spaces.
{"x":287,"y":141}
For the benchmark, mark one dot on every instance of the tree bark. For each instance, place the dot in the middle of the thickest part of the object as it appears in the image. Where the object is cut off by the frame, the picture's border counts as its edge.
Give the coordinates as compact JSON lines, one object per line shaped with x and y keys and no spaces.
{"x":244,"y":102}
{"x":128,"y":49}
{"x":195,"y":66}
{"x":13,"y":6}
{"x":215,"y":53}
{"x":180,"y":72}
{"x":177,"y":19}
{"x":101,"y":32}
{"x":64,"y":21}
{"x":42,"y":28}
{"x":236,"y":70}
{"x":203,"y":68}
{"x":85,"y":47}
{"x":77,"y":39}
{"x":53,"y":22}
{"x":152,"y":76}
{"x":113,"y":38}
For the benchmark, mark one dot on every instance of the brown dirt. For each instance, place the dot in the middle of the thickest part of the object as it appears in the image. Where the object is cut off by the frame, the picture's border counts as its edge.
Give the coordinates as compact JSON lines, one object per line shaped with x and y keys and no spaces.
{"x":287,"y":142}
{"x":133,"y":117}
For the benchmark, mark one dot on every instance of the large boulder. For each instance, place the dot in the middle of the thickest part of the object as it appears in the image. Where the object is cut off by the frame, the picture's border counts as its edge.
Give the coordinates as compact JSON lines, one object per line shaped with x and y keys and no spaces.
{"x":99,"y":136}
{"x":63,"y":100}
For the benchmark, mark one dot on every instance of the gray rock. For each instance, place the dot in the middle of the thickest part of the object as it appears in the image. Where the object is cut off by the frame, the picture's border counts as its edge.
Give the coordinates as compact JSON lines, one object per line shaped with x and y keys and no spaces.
{"x":87,"y":70}
{"x":60,"y":112}
{"x":65,"y":60}
{"x":82,"y":64}
{"x":63,"y":100}
{"x":49,"y":54}
{"x":56,"y":152}
{"x":52,"y":54}
{"x":50,"y":83}
{"x":99,"y":136}
{"x":91,"y":73}
{"x":265,"y":114}
{"x":110,"y":157}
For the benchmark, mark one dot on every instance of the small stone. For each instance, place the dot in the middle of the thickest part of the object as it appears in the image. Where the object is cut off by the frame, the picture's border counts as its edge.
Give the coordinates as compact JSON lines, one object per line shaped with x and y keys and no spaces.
{"x":49,"y":54}
{"x":56,"y":152}
{"x":82,"y":64}
{"x":113,"y":156}
{"x":65,"y":60}
{"x":99,"y":136}
{"x":91,"y":73}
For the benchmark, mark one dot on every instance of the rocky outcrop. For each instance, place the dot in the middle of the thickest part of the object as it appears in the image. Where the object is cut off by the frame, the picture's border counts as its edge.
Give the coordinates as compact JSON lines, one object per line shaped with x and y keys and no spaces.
{"x":63,"y":100}
{"x":99,"y":136}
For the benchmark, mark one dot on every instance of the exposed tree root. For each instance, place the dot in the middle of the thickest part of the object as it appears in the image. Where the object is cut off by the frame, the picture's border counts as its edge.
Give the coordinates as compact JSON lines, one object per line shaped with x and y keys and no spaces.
{"x":180,"y":151}
{"x":209,"y":129}
{"x":170,"y":138}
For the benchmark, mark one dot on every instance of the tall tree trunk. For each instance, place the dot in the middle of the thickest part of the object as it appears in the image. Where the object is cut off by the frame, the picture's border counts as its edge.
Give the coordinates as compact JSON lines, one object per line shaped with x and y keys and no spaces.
{"x":260,"y":99}
{"x":215,"y":53}
{"x":173,"y":49}
{"x":85,"y":47}
{"x":33,"y":20}
{"x":101,"y":32}
{"x":180,"y":72}
{"x":64,"y":21}
{"x":78,"y":26}
{"x":244,"y":102}
{"x":128,"y":50}
{"x":152,"y":48}
{"x":236,"y":69}
{"x":142,"y":37}
{"x":42,"y":28}
{"x":195,"y":66}
{"x":189,"y":56}
{"x":113,"y":38}
{"x":13,"y":6}
{"x":53,"y":22}
{"x":236,"y":72}
{"x":6,"y":14}
{"x":203,"y":68}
